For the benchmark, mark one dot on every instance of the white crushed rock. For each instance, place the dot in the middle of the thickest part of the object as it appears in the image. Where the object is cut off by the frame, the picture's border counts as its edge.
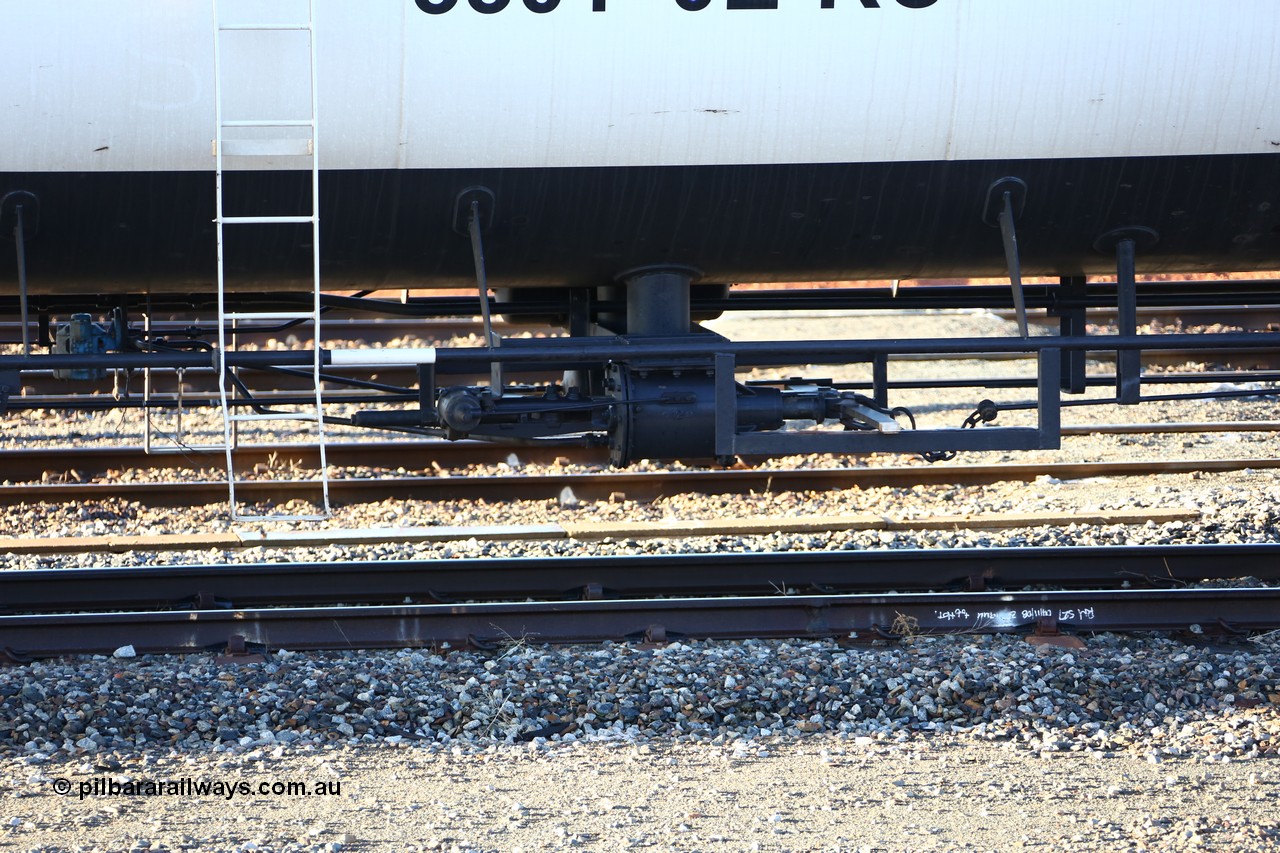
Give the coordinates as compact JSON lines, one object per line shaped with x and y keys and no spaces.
{"x":961,"y":744}
{"x":816,"y":794}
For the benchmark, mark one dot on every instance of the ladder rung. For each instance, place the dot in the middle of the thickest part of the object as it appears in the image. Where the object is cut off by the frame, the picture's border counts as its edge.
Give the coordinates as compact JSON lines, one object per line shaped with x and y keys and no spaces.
{"x":241,"y":27}
{"x":267,"y":220}
{"x":275,"y":416}
{"x":267,"y":147}
{"x":268,"y":122}
{"x":269,"y":315}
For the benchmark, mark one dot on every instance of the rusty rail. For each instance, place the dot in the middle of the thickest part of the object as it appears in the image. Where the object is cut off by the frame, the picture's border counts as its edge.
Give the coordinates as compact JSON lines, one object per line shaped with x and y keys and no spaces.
{"x":631,"y":485}
{"x":25,"y":464}
{"x":565,"y":578}
{"x":1231,"y":611}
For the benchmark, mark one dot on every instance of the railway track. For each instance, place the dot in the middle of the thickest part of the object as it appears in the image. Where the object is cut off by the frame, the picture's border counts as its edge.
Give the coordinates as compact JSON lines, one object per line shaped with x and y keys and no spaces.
{"x":246,"y":585}
{"x":87,"y":462}
{"x":1230,"y":611}
{"x":627,"y":485}
{"x":50,"y":629}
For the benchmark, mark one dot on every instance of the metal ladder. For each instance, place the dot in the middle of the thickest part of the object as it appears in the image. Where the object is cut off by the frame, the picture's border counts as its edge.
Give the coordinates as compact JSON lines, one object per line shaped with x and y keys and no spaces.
{"x":245,"y":149}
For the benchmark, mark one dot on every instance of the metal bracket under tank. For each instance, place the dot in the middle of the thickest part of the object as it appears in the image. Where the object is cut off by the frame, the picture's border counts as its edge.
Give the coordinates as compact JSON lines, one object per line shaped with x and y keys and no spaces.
{"x":10,"y":385}
{"x":1006,"y":199}
{"x":10,"y":204}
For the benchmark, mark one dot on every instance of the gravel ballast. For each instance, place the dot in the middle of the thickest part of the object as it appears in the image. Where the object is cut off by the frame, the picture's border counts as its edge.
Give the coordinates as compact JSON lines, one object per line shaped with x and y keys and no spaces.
{"x":458,"y":748}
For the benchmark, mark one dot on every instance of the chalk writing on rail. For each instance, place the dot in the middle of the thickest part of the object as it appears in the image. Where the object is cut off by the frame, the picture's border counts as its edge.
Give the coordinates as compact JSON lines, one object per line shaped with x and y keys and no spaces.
{"x":1010,"y":618}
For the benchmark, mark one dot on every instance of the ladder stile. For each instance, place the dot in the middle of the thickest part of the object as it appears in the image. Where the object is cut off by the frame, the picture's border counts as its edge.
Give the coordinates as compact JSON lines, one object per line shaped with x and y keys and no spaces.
{"x":240,"y":150}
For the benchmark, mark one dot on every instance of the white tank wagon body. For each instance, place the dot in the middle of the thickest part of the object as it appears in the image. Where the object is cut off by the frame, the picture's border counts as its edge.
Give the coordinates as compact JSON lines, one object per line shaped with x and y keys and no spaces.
{"x":612,"y":166}
{"x":754,"y":140}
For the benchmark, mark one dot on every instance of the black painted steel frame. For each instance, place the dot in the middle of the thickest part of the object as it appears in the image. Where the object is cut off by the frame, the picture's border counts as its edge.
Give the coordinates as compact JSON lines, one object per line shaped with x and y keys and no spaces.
{"x":1045,"y":435}
{"x":725,"y":356}
{"x":561,"y":353}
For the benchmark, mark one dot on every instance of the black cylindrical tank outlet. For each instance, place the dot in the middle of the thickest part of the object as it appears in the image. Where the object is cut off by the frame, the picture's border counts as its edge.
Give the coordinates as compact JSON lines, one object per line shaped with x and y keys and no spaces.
{"x":658,"y":300}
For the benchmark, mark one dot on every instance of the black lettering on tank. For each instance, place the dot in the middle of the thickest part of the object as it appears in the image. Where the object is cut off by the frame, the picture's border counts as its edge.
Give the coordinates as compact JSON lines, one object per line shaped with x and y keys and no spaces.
{"x":875,"y":4}
{"x":541,"y":7}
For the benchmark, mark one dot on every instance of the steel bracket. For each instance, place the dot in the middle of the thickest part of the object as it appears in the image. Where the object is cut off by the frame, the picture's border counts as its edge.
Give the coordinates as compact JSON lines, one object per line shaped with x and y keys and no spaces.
{"x":1014,"y":189}
{"x":1047,"y":634}
{"x":427,"y":415}
{"x":9,"y":204}
{"x":10,"y":385}
{"x":480,"y":644}
{"x":13,"y":657}
{"x":202,"y":600}
{"x":1126,"y":243}
{"x":240,"y":651}
{"x":1006,"y":199}
{"x":472,"y":216}
{"x":484,"y":203}
{"x":1229,"y":629}
{"x":1072,"y":323}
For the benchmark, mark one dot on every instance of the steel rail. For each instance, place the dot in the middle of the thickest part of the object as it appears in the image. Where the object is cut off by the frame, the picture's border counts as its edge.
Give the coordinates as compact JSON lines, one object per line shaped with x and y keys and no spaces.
{"x":243,"y":586}
{"x":41,"y":464}
{"x":21,"y":464}
{"x":489,"y":625}
{"x":638,"y":486}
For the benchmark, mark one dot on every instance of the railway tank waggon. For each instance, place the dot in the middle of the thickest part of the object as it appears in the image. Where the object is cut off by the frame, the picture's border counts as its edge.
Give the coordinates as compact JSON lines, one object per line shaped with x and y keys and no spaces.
{"x":614,"y":167}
